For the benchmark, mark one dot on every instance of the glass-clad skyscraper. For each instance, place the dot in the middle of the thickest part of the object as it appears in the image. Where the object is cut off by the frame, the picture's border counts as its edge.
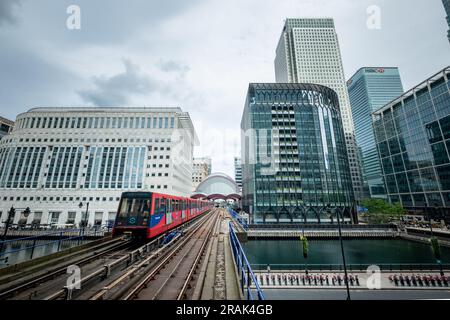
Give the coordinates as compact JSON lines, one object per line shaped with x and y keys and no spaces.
{"x":413,"y":141}
{"x":369,"y":90}
{"x":447,"y":9}
{"x":308,"y":52}
{"x":294,"y":158}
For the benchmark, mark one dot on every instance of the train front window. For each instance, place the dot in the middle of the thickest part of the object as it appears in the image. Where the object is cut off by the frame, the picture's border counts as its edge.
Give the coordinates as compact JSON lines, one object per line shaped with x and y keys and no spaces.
{"x":130,"y":207}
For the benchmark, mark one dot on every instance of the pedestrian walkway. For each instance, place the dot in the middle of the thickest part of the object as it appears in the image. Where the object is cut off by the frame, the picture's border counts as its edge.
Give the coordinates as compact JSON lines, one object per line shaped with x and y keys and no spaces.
{"x":359,"y":280}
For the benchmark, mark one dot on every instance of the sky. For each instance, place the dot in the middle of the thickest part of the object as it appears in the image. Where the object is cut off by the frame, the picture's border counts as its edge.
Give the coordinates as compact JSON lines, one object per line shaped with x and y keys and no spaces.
{"x":199,"y":55}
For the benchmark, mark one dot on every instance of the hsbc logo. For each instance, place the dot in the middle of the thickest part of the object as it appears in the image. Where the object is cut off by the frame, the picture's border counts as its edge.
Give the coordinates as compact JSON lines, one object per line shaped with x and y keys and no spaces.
{"x":375,"y":70}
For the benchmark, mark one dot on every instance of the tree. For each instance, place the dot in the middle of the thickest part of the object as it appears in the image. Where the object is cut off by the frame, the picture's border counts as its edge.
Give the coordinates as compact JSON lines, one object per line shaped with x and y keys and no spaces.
{"x":380,"y":211}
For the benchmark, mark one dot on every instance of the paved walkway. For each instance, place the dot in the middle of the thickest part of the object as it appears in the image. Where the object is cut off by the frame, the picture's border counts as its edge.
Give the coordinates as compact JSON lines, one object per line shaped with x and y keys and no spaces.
{"x":366,"y":281}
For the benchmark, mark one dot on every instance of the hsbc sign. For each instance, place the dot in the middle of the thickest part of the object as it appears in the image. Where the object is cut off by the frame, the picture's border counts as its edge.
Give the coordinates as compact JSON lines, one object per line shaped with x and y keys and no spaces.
{"x":374,"y":70}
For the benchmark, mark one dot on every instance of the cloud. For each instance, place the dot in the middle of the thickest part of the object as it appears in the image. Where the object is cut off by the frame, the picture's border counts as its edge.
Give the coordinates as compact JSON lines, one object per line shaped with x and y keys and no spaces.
{"x":173,"y":66}
{"x":119,"y":89}
{"x":8,"y":11}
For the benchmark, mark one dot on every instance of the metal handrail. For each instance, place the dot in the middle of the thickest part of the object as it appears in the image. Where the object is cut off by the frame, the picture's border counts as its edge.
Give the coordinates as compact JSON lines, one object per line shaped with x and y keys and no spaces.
{"x":61,"y":233}
{"x":238,"y":218}
{"x":245,"y":271}
{"x":54,"y":232}
{"x":352,"y":267}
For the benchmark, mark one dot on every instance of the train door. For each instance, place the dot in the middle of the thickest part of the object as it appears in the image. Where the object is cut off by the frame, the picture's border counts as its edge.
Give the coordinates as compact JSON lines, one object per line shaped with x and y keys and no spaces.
{"x":183,"y":210}
{"x":168,"y":212}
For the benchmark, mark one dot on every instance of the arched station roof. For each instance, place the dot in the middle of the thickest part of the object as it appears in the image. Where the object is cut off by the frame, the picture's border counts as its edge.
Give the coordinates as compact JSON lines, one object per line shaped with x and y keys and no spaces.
{"x":217,"y":186}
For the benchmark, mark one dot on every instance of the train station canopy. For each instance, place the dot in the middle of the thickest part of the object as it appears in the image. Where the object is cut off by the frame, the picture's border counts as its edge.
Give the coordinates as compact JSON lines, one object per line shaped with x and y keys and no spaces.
{"x":217,"y":186}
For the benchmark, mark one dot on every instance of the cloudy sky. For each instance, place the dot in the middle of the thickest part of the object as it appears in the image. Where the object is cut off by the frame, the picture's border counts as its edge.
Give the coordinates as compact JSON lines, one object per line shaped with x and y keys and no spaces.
{"x":197,"y":54}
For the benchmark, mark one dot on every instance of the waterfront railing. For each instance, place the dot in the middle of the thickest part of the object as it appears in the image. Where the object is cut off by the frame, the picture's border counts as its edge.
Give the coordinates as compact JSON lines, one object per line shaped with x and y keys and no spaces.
{"x":386,"y":267}
{"x":59,"y":237}
{"x":238,"y":218}
{"x":246,"y":276}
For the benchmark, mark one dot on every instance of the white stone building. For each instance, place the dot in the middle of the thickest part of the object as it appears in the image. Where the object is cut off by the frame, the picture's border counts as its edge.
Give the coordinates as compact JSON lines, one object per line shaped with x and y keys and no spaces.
{"x":57,"y":158}
{"x":201,"y":170}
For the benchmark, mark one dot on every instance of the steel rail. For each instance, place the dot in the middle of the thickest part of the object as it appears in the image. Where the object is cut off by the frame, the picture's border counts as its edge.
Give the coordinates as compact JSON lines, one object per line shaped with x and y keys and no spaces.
{"x":160,"y":265}
{"x":60,"y":270}
{"x":183,"y":290}
{"x":101,"y":293}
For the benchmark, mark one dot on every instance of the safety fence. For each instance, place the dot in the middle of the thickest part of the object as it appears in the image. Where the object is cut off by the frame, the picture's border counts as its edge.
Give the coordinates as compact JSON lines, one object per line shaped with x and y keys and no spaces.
{"x":238,"y":218}
{"x":53,"y":239}
{"x":407,"y":267}
{"x":246,"y":276}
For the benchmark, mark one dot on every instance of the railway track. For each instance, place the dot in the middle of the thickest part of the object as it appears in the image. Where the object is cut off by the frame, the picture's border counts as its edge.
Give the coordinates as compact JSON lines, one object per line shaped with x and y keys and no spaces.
{"x":171,"y":276}
{"x":119,"y":268}
{"x":28,"y":283}
{"x":117,"y":261}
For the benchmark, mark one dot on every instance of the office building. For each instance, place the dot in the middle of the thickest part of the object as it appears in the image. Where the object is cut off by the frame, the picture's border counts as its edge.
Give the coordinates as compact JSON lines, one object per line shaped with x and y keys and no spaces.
{"x":294,"y":159}
{"x":6,"y":127}
{"x":413,"y":140}
{"x":238,"y":171}
{"x":447,"y":10}
{"x":201,"y":170}
{"x":369,"y":89}
{"x":57,"y":158}
{"x":308,"y":52}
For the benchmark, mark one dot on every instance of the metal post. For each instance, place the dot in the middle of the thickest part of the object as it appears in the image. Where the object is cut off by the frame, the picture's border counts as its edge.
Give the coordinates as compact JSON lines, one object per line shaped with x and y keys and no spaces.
{"x":338,"y":212}
{"x":7,"y":223}
{"x":32,"y":249}
{"x":59,"y":241}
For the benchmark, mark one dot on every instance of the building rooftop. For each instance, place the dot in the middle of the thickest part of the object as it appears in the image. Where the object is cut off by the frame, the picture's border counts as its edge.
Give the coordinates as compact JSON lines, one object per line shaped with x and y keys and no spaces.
{"x":411,"y":92}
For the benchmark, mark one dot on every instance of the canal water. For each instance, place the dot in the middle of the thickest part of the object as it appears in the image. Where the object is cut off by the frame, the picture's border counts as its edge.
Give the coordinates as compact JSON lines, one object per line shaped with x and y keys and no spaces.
{"x":357,"y":251}
{"x":21,"y":251}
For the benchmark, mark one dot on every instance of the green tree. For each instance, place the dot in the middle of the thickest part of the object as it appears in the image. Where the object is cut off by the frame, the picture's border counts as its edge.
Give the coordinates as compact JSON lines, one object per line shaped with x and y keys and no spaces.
{"x":380,"y":211}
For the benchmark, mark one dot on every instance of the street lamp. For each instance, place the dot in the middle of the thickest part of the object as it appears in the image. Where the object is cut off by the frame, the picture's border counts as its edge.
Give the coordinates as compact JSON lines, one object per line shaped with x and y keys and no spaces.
{"x":80,"y":205}
{"x":11,"y":213}
{"x":338,"y":213}
{"x":434,"y":242}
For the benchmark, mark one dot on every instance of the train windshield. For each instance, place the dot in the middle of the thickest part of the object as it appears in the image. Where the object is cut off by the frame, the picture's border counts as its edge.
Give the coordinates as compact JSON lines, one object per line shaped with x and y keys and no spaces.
{"x":133,"y":207}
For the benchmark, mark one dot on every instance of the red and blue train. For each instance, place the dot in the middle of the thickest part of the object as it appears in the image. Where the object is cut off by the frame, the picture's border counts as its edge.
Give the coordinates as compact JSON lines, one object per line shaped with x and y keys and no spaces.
{"x":149,"y":214}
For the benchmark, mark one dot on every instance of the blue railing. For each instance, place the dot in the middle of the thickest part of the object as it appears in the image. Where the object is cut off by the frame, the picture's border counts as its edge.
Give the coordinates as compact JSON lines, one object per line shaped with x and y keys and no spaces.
{"x":246,"y":275}
{"x":61,"y":235}
{"x":238,"y":218}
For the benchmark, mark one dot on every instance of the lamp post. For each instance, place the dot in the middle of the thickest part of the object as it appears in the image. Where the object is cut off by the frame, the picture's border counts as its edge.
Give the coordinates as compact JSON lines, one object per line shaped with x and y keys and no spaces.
{"x":433,"y":240}
{"x":338,"y":213}
{"x":11,"y":213}
{"x":85,"y":215}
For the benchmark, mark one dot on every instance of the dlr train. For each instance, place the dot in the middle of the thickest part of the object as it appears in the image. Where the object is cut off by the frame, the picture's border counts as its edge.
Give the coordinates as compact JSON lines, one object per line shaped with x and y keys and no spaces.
{"x":149,"y":214}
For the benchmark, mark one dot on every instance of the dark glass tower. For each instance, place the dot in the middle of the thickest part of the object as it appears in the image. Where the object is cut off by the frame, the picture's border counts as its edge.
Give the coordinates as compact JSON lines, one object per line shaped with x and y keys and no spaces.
{"x":447,"y":9}
{"x":370,"y":89}
{"x":294,"y":158}
{"x":413,"y":141}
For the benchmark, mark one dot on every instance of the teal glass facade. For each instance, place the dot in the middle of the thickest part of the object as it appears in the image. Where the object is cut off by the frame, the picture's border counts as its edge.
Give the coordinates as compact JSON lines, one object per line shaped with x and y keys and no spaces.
{"x":413,"y":142}
{"x":447,"y":10}
{"x":369,"y":90}
{"x":294,"y":158}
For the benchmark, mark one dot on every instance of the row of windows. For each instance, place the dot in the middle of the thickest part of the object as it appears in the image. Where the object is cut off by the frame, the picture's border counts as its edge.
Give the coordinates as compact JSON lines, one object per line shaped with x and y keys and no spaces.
{"x":107,"y":167}
{"x":115,"y":167}
{"x":87,"y":140}
{"x":95,"y":122}
{"x":64,"y":199}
